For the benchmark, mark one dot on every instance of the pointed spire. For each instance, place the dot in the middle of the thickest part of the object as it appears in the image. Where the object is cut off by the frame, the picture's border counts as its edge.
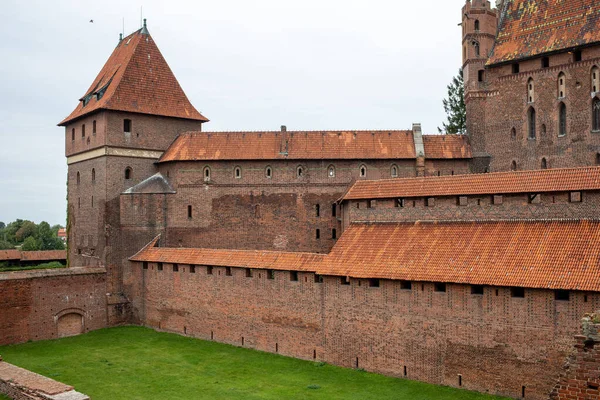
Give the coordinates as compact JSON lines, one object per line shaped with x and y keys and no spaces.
{"x":144,"y":30}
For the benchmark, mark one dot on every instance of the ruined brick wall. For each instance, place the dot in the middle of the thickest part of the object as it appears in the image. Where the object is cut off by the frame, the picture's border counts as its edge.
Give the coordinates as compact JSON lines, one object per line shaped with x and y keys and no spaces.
{"x":506,"y":106}
{"x":581,"y":377}
{"x":280,"y":212}
{"x":471,"y":208}
{"x":494,"y":342}
{"x":34,"y":303}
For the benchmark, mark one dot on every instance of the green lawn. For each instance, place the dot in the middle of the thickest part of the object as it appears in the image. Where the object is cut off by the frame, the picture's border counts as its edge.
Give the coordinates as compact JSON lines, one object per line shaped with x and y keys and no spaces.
{"x":139,"y":363}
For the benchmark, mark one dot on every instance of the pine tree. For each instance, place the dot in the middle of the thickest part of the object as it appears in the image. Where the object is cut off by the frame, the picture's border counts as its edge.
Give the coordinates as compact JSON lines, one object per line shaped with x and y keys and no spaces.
{"x":455,"y":108}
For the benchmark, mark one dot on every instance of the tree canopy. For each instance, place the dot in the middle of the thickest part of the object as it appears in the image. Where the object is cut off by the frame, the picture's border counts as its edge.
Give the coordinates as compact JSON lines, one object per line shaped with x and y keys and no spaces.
{"x":30,"y":236}
{"x":455,"y":108}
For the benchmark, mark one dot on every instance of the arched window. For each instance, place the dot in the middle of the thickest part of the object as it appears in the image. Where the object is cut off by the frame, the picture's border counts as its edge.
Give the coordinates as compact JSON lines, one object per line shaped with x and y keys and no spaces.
{"x":237,"y":173}
{"x":83,"y":130}
{"x":530,"y":91}
{"x":476,"y":46}
{"x":513,"y":134}
{"x":544,"y":163}
{"x":269,"y":172}
{"x":562,"y":119}
{"x":476,"y":25}
{"x":394,"y":171}
{"x":331,"y":171}
{"x":78,"y":178}
{"x":128,"y":173}
{"x":363,"y":171}
{"x":562,"y":84}
{"x":595,"y":79}
{"x":531,"y":122}
{"x":206,"y":174}
{"x":73,"y":134}
{"x":596,"y":114}
{"x":93,"y":175}
{"x":300,"y":171}
{"x":513,"y":166}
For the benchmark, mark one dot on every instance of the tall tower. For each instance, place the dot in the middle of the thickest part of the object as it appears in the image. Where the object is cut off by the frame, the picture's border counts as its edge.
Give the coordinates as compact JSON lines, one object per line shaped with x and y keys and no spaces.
{"x":123,"y":123}
{"x":479,"y":27}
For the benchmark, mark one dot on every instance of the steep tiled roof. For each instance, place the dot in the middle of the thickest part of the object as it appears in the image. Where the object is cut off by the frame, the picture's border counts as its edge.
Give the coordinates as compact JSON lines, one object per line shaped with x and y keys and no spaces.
{"x":533,"y":27}
{"x":33,"y":255}
{"x":136,"y":78}
{"x":331,"y":145}
{"x":537,"y":254}
{"x":230,"y":258}
{"x":550,"y":180}
{"x":447,"y":146}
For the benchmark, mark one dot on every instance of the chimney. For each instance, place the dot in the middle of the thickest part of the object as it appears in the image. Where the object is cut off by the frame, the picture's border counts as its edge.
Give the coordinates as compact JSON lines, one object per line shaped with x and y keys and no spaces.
{"x":419,"y":149}
{"x":283,"y":128}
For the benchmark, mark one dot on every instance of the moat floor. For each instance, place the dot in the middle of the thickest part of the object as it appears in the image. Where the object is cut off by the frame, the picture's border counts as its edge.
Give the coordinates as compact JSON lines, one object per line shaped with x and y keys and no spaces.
{"x":139,"y":363}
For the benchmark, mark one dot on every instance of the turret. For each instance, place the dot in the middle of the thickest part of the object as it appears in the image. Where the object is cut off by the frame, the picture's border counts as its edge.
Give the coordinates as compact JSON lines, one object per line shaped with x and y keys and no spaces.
{"x":479,"y":24}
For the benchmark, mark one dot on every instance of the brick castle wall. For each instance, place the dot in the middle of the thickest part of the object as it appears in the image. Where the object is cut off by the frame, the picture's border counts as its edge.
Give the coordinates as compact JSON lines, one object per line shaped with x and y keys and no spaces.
{"x":39,"y":305}
{"x":494,"y":342}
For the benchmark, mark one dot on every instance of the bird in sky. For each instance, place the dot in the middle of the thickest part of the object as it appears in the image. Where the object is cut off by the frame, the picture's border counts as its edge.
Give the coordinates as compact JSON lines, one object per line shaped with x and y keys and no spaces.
{"x":91,"y":21}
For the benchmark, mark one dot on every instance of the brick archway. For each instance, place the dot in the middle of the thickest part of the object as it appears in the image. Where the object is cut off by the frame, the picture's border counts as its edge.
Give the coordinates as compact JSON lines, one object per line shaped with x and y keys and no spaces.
{"x":69,"y":322}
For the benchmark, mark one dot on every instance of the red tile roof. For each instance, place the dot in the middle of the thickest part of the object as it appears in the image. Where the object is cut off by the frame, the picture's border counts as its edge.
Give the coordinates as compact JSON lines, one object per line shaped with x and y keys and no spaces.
{"x":534,"y":27}
{"x":136,"y":78}
{"x":550,"y":180}
{"x":47,"y":255}
{"x":230,"y":258}
{"x":447,"y":146}
{"x":332,"y":145}
{"x":536,"y":254}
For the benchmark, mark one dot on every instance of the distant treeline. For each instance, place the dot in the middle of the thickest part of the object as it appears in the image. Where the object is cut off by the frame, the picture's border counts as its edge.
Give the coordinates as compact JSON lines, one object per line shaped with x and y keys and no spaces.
{"x":28,"y":236}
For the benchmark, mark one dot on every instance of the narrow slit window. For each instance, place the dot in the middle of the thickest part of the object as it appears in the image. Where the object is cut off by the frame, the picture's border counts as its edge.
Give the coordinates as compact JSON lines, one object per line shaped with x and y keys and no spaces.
{"x":334,"y":233}
{"x":189,"y":212}
{"x":93,"y":175}
{"x":83,"y":130}
{"x":78,"y":178}
{"x":94,"y":127}
{"x":317,"y":210}
{"x":128,"y":173}
{"x":73,"y":134}
{"x":318,"y":234}
{"x":334,"y":210}
{"x":531,"y":120}
{"x":596,"y":114}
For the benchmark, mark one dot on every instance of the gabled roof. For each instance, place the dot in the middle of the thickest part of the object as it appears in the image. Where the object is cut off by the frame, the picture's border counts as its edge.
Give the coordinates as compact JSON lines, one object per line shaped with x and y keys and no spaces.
{"x":533,"y":27}
{"x":311,"y":145}
{"x":548,"y":180}
{"x":136,"y":78}
{"x":152,"y":185}
{"x":532,"y":254}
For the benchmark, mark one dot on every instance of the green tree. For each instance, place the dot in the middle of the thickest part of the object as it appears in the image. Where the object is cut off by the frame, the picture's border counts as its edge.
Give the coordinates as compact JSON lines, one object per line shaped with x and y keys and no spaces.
{"x":46,"y":238}
{"x":26,"y":230}
{"x":2,"y":225}
{"x":11,"y":229}
{"x":455,"y":108}
{"x":30,"y":244}
{"x":4,"y":245}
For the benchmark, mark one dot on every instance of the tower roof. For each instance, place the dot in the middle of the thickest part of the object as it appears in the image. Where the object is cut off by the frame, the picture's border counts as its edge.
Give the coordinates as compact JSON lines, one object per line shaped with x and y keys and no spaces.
{"x":530,"y":28}
{"x":136,"y":78}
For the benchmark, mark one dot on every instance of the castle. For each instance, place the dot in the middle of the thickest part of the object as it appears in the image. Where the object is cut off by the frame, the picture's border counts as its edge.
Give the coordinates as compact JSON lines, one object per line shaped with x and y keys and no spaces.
{"x":463,"y":260}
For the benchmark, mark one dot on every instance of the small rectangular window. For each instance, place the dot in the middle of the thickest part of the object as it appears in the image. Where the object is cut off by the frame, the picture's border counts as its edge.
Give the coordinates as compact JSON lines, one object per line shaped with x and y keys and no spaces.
{"x":400,"y":203}
{"x":189,"y":209}
{"x":94,"y":127}
{"x":515,"y":68}
{"x":369,"y":203}
{"x":406,"y":285}
{"x":318,"y":234}
{"x":534,"y":198}
{"x":127,"y":125}
{"x":439,"y":287}
{"x":430,"y":201}
{"x":334,"y":210}
{"x":270,"y":274}
{"x":561,"y":295}
{"x":480,"y":75}
{"x":159,"y":266}
{"x":517,"y":292}
{"x":318,"y":278}
{"x":145,"y":265}
{"x":477,"y":289}
{"x":192,"y":269}
{"x":545,"y":62}
{"x":228,"y":271}
{"x":344,"y":280}
{"x":575,"y":197}
{"x":294,"y":276}
{"x":462,"y":200}
{"x":209,"y":270}
{"x":83,"y":130}
{"x":334,"y":233}
{"x":317,"y":210}
{"x":577,"y":56}
{"x":248,"y":273}
{"x":373,"y":282}
{"x":175,"y":267}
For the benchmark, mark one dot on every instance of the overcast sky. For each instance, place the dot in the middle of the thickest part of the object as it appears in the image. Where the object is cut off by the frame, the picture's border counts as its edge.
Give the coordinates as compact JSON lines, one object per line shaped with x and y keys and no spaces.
{"x":246,"y":65}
